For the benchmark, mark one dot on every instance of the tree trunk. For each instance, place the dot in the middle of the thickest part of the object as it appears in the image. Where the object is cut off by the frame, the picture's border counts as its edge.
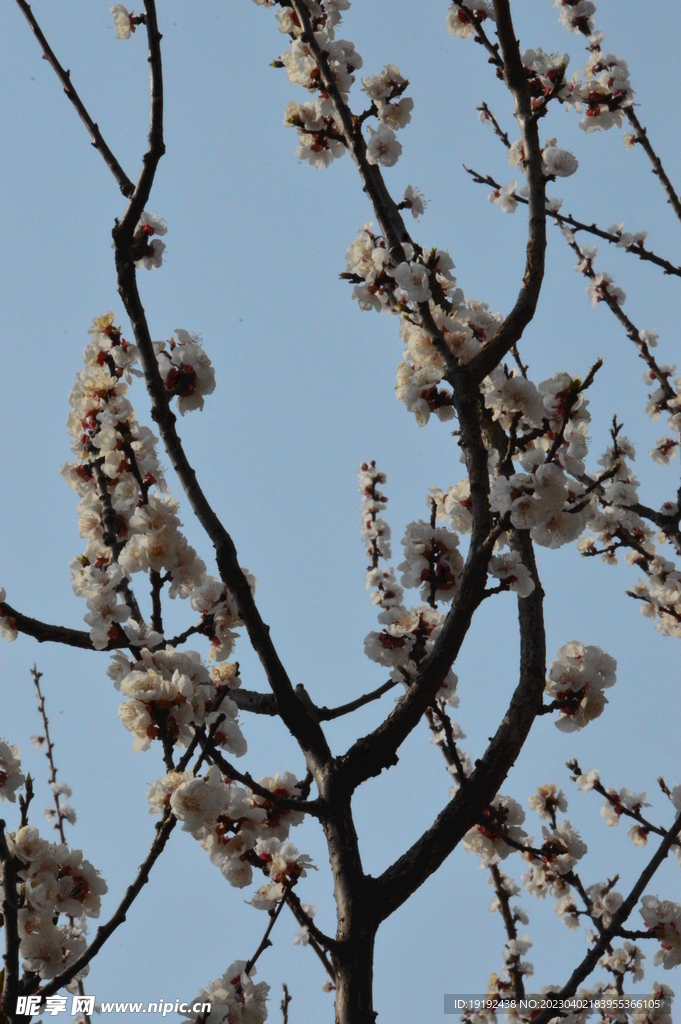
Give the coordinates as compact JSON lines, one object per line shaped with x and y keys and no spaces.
{"x":354,"y":966}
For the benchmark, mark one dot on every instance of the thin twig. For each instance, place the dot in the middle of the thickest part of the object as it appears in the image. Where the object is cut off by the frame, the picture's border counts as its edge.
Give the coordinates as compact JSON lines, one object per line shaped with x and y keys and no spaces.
{"x":266,"y":942}
{"x":591,"y":959}
{"x":105,"y":931}
{"x":49,"y":747}
{"x":283,"y":1006}
{"x":658,"y":169}
{"x":637,"y":249}
{"x":124,"y":183}
{"x":328,"y":714}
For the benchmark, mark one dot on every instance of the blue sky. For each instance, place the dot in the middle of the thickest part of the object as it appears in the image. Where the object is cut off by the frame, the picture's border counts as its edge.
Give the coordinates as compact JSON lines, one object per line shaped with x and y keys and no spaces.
{"x":305,"y":392}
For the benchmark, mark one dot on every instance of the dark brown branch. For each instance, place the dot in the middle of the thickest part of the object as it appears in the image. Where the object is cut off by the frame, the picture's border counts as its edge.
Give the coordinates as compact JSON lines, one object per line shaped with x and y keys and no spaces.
{"x":327,"y":714}
{"x":522,"y":313}
{"x":316,"y":936}
{"x":156,"y":612}
{"x":10,"y":909}
{"x":124,"y":230}
{"x":591,"y":959}
{"x":44,"y":631}
{"x":504,"y":898}
{"x":638,"y":249}
{"x":291,"y":709}
{"x":658,"y":169}
{"x":283,"y":1006}
{"x":266,"y":942}
{"x":124,"y":183}
{"x":399,"y":881}
{"x":49,"y":748}
{"x":312,"y":807}
{"x":105,"y":931}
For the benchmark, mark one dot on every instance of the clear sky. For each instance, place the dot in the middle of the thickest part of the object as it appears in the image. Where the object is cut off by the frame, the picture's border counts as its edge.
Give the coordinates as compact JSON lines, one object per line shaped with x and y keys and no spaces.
{"x":305,"y":393}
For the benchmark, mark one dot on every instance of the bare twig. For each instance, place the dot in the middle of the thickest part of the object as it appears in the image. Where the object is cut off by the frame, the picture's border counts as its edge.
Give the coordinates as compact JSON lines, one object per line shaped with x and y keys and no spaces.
{"x":328,"y":714}
{"x":283,"y":1006}
{"x":49,"y":747}
{"x":266,"y":942}
{"x":124,"y":183}
{"x":658,"y":169}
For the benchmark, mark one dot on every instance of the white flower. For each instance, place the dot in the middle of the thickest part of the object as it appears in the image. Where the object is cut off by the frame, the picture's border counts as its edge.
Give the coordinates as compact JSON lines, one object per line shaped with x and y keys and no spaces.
{"x":8,"y":630}
{"x":11,"y":776}
{"x":505,"y":197}
{"x":413,"y":279}
{"x":460,"y":24}
{"x":509,"y":568}
{"x":558,"y":162}
{"x":383,"y":146}
{"x":197,"y":802}
{"x":122,"y":23}
{"x":413,"y":201}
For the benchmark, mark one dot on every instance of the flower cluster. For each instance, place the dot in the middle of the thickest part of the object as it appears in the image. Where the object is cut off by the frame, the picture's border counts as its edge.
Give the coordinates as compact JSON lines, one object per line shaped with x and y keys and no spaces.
{"x":52,"y":880}
{"x":11,"y":776}
{"x":170,"y":693}
{"x":576,"y":681}
{"x":503,"y":819}
{"x":185,"y":369}
{"x":234,"y":998}
{"x":606,"y":92}
{"x":462,"y":18}
{"x":130,"y":525}
{"x":663,"y":919}
{"x":148,"y":250}
{"x":432,"y":562}
{"x":320,"y":131}
{"x":576,"y":15}
{"x":238,"y":829}
{"x":374,"y":530}
{"x":403,"y":287}
{"x":545,"y":73}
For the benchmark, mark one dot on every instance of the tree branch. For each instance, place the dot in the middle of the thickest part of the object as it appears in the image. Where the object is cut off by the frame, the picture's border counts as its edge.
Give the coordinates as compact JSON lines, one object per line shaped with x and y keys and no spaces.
{"x":10,"y":908}
{"x":328,"y":714}
{"x":124,"y":229}
{"x":399,"y":881}
{"x":658,"y":169}
{"x":522,"y":313}
{"x":638,"y":249}
{"x":591,"y":959}
{"x":312,"y":807}
{"x":44,"y":631}
{"x":105,"y":931}
{"x":124,"y":183}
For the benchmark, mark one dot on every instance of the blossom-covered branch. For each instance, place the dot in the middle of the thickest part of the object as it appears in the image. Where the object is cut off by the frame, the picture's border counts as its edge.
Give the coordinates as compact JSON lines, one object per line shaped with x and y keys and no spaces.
{"x":105,"y":931}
